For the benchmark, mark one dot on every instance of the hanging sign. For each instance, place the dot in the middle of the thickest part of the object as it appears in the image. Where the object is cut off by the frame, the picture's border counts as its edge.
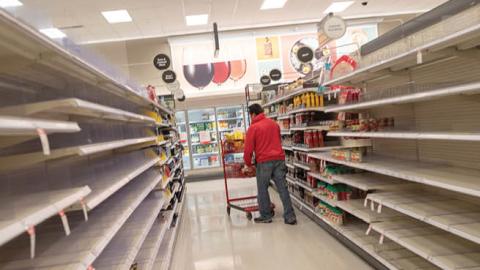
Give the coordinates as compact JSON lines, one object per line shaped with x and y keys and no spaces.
{"x":275,"y":74}
{"x":305,"y":54}
{"x":330,"y":28}
{"x":265,"y":80}
{"x":161,"y":61}
{"x":169,"y":76}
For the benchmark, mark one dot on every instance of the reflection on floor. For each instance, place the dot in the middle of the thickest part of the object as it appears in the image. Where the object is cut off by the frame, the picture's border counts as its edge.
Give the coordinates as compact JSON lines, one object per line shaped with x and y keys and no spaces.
{"x":209,"y":239}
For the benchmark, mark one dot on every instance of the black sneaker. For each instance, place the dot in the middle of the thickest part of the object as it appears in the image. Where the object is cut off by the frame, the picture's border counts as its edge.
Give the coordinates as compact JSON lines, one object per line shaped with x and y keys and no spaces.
{"x":291,"y":222}
{"x":262,"y":220}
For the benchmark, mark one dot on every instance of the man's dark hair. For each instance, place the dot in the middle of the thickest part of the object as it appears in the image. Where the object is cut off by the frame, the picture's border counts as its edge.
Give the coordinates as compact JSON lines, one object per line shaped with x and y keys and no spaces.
{"x":255,"y":109}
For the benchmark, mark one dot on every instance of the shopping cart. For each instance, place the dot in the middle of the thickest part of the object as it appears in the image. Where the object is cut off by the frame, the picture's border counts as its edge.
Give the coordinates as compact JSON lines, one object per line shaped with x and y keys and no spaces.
{"x":232,"y":157}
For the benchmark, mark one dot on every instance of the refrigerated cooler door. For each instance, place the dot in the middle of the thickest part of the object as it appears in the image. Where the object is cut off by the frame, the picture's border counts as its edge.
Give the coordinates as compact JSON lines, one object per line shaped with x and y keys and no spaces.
{"x":230,"y":119}
{"x":183,"y":133}
{"x":203,"y":138}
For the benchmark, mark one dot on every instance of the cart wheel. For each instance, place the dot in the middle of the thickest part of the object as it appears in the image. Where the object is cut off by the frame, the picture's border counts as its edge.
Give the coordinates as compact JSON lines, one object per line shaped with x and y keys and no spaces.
{"x":249,"y":216}
{"x":228,"y":210}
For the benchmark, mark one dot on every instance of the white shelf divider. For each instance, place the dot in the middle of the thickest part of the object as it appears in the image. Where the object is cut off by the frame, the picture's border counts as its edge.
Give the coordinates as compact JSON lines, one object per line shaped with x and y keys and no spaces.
{"x":75,"y":106}
{"x":320,"y":177}
{"x":25,"y":211}
{"x":23,"y":160}
{"x":456,"y":216}
{"x":120,"y":253}
{"x":87,"y":239}
{"x":369,"y":181}
{"x":411,"y":135}
{"x":310,"y":128}
{"x":21,"y":126}
{"x":461,"y":180}
{"x":441,"y":248}
{"x":304,"y":186}
{"x":416,"y":97}
{"x":103,"y":188}
{"x":302,"y":166}
{"x":325,"y":199}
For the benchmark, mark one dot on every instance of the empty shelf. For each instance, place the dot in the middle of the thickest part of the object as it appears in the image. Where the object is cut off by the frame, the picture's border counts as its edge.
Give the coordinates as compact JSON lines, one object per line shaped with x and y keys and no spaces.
{"x":369,"y":181}
{"x":357,"y":208}
{"x":293,"y":128}
{"x":416,"y":97}
{"x":87,"y":239}
{"x":20,"y":126}
{"x":325,"y":199}
{"x":120,"y":253}
{"x":411,"y":55}
{"x":304,"y":186}
{"x":441,"y":248}
{"x":389,"y":254}
{"x":75,"y":106}
{"x":108,"y":185}
{"x":456,"y":216}
{"x":26,"y":43}
{"x":27,"y":210}
{"x":320,"y":177}
{"x":451,"y":136}
{"x":443,"y":176}
{"x":149,"y":250}
{"x":23,"y":160}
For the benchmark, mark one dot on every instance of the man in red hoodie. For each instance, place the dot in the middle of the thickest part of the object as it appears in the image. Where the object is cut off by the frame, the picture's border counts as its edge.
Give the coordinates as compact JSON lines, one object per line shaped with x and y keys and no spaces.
{"x":263,"y":139}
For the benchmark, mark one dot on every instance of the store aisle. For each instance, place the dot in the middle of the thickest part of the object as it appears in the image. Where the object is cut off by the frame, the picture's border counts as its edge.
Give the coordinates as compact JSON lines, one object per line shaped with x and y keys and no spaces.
{"x":209,"y":240}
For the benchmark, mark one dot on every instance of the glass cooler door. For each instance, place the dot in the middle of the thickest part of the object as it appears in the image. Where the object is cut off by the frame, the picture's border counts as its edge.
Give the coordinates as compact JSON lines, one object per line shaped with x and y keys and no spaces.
{"x":183,"y":133}
{"x":230,"y":119}
{"x":203,"y":137}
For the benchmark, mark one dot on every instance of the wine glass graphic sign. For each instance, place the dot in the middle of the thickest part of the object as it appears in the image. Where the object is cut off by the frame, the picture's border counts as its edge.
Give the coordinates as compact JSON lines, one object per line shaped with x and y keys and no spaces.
{"x":197,"y":67}
{"x":238,"y":64}
{"x":221,"y":72}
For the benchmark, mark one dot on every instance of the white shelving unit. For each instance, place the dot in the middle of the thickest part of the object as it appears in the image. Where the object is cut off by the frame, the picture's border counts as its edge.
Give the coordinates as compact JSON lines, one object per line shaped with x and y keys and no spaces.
{"x":320,"y":177}
{"x":300,"y":165}
{"x":99,"y":176}
{"x":310,"y":128}
{"x":75,"y":106}
{"x":290,"y":95}
{"x":437,"y":175}
{"x":369,"y":181}
{"x":411,"y":135}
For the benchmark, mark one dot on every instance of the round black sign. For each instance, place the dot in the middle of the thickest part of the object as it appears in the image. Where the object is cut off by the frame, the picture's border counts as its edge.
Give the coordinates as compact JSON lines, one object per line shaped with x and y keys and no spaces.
{"x":305,"y":54}
{"x":169,"y":76}
{"x":265,"y":80}
{"x":161,"y":61}
{"x":275,"y":74}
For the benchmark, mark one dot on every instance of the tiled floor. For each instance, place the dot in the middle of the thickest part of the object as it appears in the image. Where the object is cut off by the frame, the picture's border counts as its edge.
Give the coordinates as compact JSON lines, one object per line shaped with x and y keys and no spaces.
{"x":209,"y":239}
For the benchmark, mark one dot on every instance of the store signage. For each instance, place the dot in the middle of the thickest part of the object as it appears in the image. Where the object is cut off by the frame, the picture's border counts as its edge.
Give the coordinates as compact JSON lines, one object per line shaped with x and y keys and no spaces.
{"x":169,"y":76}
{"x":265,"y":80}
{"x":333,"y":27}
{"x":275,"y":74}
{"x":161,"y":61}
{"x":305,"y":54}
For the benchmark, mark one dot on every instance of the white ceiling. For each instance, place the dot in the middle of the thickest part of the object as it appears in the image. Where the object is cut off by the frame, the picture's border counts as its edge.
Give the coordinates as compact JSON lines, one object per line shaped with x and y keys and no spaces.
{"x":153,"y":18}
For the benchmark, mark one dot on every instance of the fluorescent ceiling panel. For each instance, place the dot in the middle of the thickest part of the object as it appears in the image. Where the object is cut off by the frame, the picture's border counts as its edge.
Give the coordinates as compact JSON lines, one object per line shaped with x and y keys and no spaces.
{"x":196,"y":19}
{"x":272,"y":4}
{"x":117,"y":16}
{"x":336,"y":7}
{"x":10,"y":3}
{"x":53,"y":33}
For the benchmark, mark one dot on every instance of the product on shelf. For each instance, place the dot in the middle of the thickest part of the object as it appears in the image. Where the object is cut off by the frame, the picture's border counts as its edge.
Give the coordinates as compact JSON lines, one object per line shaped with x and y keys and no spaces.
{"x":334,"y":214}
{"x":353,"y":155}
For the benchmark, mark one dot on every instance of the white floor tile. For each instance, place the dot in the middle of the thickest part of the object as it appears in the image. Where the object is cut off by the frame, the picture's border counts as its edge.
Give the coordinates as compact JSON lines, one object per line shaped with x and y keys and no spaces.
{"x":211,"y":240}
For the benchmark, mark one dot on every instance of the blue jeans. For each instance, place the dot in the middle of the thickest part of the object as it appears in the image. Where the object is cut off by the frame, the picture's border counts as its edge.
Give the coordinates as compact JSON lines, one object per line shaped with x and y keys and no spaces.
{"x":275,"y":170}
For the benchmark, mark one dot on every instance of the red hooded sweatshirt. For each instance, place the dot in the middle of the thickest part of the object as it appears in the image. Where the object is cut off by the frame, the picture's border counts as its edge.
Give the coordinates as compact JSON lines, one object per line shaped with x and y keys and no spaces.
{"x":263,"y":138}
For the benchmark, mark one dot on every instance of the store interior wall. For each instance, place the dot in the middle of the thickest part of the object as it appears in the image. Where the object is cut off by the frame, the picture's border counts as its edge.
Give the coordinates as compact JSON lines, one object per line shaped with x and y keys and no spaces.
{"x":134,"y":58}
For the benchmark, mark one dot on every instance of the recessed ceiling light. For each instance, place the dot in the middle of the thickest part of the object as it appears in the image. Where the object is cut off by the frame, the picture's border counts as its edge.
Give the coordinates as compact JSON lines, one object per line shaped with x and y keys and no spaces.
{"x":273,"y":4}
{"x":117,"y":16}
{"x":10,"y":3}
{"x":336,"y":7}
{"x":53,"y":33}
{"x":197,"y":19}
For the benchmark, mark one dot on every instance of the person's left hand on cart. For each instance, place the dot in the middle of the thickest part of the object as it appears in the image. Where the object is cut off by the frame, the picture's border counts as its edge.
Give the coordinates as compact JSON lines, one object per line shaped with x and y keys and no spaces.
{"x":247,"y":169}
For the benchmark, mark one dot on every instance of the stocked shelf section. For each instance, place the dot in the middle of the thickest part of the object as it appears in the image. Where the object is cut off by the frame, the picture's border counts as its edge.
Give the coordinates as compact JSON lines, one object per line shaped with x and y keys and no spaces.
{"x":290,"y":95}
{"x":461,"y":180}
{"x":75,"y":106}
{"x":27,"y":44}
